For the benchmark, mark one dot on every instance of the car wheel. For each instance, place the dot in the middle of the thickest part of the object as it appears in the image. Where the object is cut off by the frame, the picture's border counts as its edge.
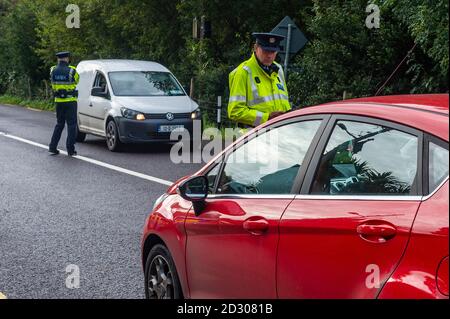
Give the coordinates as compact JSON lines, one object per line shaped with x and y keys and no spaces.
{"x":161,"y":278}
{"x":80,"y":136}
{"x":112,"y":136}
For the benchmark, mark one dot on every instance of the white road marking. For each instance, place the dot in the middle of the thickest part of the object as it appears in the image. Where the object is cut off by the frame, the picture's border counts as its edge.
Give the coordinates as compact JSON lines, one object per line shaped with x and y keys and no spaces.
{"x":2,"y":296}
{"x":35,"y":110}
{"x":93,"y":161}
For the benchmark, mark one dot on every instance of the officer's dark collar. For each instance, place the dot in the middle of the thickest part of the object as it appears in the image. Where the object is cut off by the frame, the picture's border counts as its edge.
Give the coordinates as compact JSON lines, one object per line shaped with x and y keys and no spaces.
{"x":268,"y":69}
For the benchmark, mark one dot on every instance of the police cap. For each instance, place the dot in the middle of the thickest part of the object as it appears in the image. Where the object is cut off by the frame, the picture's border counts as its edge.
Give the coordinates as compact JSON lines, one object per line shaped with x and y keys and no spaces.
{"x":268,"y":41}
{"x":63,"y":54}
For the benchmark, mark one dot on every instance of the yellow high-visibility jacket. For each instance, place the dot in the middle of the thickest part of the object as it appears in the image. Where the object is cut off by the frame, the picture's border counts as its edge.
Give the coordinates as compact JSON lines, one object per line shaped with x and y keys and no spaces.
{"x":254,"y":94}
{"x":64,"y":77}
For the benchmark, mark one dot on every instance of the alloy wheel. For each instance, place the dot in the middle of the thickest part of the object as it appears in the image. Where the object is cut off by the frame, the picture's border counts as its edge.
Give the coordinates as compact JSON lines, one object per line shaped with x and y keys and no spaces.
{"x":111,"y":135}
{"x":160,"y":280}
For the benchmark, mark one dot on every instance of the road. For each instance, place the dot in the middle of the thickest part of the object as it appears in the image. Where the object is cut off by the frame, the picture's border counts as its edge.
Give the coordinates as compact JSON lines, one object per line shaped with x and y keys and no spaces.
{"x":57,"y":211}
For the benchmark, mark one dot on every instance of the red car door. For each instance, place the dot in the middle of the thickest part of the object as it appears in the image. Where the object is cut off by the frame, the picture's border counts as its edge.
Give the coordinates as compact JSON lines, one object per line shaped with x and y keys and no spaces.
{"x":231,"y":248}
{"x":232,"y":244}
{"x":346,"y":232}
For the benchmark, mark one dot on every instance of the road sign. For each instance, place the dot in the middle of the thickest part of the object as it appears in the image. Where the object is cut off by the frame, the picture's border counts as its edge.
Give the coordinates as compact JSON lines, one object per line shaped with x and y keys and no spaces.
{"x":294,"y":40}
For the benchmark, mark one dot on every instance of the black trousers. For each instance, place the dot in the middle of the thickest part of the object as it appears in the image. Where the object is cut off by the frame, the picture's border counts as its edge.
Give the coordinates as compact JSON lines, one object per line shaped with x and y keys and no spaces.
{"x":65,"y":112}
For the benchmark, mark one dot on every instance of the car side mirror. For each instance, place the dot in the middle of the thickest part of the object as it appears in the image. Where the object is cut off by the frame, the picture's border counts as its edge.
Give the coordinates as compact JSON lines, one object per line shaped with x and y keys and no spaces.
{"x":195,"y":190}
{"x":99,"y":91}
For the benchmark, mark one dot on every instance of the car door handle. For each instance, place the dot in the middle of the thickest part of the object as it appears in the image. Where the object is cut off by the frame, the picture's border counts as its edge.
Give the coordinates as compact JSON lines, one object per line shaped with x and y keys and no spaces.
{"x":376,"y":232}
{"x":90,"y":104}
{"x":256,"y":226}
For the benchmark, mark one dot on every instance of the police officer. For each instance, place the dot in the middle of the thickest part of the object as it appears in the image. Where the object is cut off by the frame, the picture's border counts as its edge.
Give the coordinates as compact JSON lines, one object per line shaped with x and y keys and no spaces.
{"x":64,"y":79}
{"x":258,"y":89}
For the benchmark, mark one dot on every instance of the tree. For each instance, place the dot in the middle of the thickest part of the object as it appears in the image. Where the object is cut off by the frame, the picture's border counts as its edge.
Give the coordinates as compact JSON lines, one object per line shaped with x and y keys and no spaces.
{"x":19,"y":65}
{"x":342,"y":54}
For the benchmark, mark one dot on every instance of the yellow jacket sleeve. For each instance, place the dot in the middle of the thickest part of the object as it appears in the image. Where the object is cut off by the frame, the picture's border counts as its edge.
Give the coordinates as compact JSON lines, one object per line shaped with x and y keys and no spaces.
{"x":76,"y":76}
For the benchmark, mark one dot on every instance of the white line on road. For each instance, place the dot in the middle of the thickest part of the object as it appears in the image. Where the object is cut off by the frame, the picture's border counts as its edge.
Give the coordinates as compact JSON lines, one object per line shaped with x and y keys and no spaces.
{"x":35,"y":110}
{"x":93,"y":161}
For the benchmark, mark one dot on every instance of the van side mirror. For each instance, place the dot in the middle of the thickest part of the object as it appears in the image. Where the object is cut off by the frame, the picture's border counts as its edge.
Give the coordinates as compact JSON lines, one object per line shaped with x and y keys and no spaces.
{"x":195,"y":190}
{"x":99,"y":91}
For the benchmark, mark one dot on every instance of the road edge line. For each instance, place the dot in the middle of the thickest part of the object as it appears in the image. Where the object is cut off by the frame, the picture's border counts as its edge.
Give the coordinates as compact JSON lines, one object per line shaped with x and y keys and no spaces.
{"x":95,"y":162}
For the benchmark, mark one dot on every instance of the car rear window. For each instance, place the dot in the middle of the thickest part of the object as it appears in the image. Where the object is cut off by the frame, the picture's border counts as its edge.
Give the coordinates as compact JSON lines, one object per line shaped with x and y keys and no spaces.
{"x":438,"y":166}
{"x":370,"y":159}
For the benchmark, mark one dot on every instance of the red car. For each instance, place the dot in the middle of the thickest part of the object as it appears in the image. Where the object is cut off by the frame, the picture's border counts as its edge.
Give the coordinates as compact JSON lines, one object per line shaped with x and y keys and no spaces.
{"x":347,"y":199}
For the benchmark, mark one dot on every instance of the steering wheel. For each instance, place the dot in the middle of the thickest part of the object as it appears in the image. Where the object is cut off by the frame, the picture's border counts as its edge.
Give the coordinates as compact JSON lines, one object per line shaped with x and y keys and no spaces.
{"x":238,"y":188}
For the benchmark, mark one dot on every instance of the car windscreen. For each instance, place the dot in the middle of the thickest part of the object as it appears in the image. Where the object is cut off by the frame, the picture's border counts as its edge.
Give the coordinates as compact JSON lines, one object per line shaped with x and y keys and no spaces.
{"x":144,"y":83}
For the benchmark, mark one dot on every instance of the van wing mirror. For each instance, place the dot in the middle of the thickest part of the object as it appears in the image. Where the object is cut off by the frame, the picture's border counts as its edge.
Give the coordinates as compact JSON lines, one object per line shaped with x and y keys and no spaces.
{"x":99,"y":91}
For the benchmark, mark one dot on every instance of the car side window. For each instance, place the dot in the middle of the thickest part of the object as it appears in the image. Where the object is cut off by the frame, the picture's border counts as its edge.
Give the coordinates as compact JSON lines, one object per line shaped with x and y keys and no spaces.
{"x":438,"y":165}
{"x":100,"y":81}
{"x":211,"y":176}
{"x":371,"y":159}
{"x":268,"y":163}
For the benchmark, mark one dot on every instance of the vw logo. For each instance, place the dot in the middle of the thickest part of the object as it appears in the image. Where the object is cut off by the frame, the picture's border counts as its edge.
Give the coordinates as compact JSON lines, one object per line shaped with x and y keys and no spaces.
{"x":169,"y":116}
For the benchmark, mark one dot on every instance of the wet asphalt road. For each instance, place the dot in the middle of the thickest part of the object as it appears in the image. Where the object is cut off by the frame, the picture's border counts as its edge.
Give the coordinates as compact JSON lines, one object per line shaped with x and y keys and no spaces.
{"x":57,"y":211}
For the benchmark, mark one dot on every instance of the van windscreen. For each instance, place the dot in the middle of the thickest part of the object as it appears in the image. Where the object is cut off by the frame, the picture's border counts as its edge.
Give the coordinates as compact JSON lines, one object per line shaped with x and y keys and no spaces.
{"x":144,"y":83}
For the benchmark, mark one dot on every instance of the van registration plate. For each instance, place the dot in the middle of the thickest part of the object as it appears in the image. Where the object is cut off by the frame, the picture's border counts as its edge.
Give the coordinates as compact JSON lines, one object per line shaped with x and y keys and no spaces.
{"x":169,"y":128}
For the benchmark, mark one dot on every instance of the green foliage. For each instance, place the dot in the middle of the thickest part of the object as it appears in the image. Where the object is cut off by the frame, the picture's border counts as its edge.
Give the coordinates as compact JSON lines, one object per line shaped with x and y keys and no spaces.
{"x":343,"y":55}
{"x":346,"y":56}
{"x":427,"y":24}
{"x":38,"y":104}
{"x":20,"y":69}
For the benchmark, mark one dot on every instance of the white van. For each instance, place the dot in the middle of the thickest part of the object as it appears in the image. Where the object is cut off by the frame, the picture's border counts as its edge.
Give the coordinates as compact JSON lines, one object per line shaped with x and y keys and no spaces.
{"x":128,"y":101}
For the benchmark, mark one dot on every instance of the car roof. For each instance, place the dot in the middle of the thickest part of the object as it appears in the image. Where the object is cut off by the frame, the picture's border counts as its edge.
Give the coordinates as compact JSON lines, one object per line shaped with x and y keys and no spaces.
{"x":431,"y":102}
{"x":114,"y":65}
{"x":426,"y":112}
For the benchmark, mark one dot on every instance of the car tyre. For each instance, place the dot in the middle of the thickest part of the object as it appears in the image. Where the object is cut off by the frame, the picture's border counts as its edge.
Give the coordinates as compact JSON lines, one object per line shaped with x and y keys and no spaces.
{"x":112,"y":137}
{"x":161,"y":277}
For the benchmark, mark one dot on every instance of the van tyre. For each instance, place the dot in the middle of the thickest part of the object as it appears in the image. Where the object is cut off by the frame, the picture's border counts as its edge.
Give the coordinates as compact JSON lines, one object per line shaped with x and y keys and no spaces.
{"x":80,"y":136}
{"x":112,"y":137}
{"x":161,"y":278}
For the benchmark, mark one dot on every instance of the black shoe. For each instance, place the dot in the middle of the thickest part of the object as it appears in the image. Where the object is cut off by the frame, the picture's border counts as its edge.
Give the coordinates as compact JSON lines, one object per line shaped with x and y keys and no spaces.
{"x":53,"y":152}
{"x":74,"y":153}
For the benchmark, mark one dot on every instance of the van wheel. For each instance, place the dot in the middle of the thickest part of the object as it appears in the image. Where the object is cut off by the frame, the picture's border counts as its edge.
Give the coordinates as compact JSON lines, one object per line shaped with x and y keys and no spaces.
{"x":112,"y":137}
{"x":80,"y":136}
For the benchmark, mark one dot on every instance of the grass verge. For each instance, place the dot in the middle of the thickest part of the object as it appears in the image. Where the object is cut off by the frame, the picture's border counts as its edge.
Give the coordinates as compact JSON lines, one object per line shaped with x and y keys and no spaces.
{"x":39,"y":104}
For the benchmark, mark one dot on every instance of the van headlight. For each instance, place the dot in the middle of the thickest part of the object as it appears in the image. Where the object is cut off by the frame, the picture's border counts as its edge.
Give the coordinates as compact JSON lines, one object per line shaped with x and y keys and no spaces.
{"x":131,"y":114}
{"x":159,"y":200}
{"x":196,"y":114}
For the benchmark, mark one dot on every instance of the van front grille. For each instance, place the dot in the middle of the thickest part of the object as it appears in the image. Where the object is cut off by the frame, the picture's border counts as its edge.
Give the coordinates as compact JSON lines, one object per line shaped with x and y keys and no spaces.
{"x":161,"y":116}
